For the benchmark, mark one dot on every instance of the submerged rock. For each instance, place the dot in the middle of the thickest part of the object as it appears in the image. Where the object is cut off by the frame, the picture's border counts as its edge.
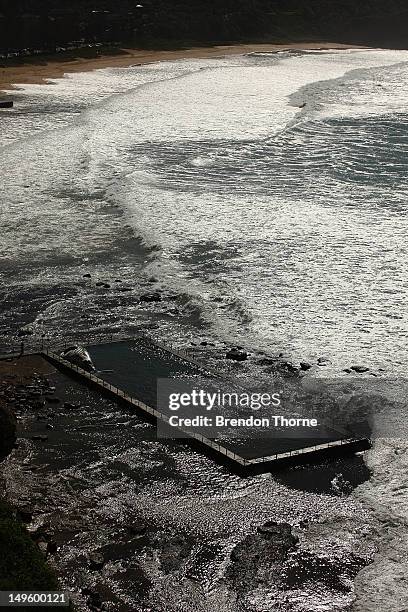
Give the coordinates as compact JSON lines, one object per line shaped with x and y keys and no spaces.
{"x":341,"y":486}
{"x":266,"y":361}
{"x":96,"y":561}
{"x":237,"y":355}
{"x":94,"y":598}
{"x":151,"y":297}
{"x":25,"y":332}
{"x":174,"y":552}
{"x":259,"y":557}
{"x":279,"y":533}
{"x":137,"y":528}
{"x":287,"y":367}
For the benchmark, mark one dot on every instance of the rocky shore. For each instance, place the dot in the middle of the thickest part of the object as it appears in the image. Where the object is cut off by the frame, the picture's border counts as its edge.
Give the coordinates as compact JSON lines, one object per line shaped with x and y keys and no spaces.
{"x":7,"y":430}
{"x":79,"y":489}
{"x":22,"y":563}
{"x":23,"y":387}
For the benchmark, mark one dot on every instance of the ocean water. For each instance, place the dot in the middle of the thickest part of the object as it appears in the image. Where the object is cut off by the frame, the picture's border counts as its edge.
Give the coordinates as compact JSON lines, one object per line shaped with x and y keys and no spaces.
{"x":264,"y":195}
{"x":267,"y":224}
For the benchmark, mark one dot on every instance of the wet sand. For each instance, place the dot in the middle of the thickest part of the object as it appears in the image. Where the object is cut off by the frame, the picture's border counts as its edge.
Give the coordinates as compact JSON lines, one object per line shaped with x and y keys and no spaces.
{"x":13,"y":76}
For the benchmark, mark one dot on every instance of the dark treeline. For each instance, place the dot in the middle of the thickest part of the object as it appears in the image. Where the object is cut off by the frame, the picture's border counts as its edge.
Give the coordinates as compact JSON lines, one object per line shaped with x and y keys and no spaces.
{"x":49,"y":24}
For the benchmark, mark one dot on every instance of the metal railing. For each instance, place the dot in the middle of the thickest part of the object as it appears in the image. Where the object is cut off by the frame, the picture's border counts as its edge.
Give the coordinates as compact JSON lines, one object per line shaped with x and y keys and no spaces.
{"x":304,"y":451}
{"x":192,"y":435}
{"x":28,"y":346}
{"x":141,"y":405}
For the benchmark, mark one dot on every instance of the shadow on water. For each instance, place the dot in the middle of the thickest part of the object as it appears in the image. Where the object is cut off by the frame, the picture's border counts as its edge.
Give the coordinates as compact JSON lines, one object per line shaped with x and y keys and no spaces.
{"x":317,"y":478}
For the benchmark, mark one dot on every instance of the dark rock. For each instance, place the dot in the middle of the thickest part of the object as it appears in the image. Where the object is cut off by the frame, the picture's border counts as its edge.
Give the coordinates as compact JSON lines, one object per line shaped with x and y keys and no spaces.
{"x":106,"y":285}
{"x":7,"y":431}
{"x":52,"y":400}
{"x":151,"y":297}
{"x":360,"y":369}
{"x":26,"y":514}
{"x":304,"y":365}
{"x":52,"y":547}
{"x":99,"y":284}
{"x":137,"y":528}
{"x":341,"y":486}
{"x":43,"y":546}
{"x":94,"y":599}
{"x":259,"y":557}
{"x":86,"y":276}
{"x":96,"y":561}
{"x":153,"y":279}
{"x":25,"y":332}
{"x":237,"y":355}
{"x":39,"y":438}
{"x":347,"y":370}
{"x":281,"y":533}
{"x":175,"y":550}
{"x":323,"y":361}
{"x":266,"y":361}
{"x":286,"y":367}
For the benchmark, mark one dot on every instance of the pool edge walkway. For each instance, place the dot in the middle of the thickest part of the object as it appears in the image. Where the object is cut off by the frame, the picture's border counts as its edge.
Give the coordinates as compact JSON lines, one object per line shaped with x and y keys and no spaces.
{"x":217,"y":452}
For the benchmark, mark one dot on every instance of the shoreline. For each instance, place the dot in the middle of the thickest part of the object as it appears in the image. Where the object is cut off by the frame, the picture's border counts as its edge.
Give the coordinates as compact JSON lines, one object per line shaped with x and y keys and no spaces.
{"x":61,"y":518}
{"x":14,"y":77}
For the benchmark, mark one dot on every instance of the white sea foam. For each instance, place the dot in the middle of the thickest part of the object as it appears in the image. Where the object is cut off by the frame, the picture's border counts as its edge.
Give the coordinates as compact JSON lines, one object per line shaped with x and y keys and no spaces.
{"x":295,"y":215}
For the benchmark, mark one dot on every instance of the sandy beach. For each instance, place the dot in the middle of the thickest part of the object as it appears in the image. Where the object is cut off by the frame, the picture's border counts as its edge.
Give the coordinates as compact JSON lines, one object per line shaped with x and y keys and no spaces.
{"x":13,"y":76}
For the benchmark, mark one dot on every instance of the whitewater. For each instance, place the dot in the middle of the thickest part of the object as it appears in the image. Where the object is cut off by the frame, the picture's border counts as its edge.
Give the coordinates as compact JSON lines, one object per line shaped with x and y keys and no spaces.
{"x":263,"y":195}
